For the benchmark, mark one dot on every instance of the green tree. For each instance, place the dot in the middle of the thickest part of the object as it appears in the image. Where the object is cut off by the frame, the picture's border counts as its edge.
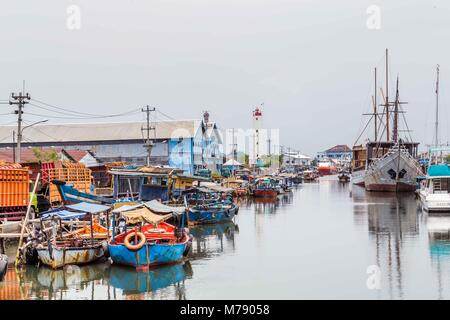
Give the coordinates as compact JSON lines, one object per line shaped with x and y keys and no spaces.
{"x":45,"y":156}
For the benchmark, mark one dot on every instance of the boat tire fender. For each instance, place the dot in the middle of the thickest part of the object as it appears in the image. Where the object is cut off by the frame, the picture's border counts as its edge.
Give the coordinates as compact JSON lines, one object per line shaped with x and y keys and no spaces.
{"x":130,"y":236}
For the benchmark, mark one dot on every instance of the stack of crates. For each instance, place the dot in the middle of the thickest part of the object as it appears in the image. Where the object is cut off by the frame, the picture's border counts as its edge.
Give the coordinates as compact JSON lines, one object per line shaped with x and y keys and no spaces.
{"x":75,"y":174}
{"x":14,"y":191}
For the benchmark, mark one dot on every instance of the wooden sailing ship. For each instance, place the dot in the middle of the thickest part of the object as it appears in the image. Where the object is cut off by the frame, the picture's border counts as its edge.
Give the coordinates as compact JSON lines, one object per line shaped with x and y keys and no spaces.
{"x":386,"y":165}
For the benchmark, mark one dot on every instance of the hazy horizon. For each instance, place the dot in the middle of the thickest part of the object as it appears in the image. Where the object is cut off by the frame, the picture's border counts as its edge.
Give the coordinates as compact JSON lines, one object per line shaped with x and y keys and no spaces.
{"x":310,"y":62}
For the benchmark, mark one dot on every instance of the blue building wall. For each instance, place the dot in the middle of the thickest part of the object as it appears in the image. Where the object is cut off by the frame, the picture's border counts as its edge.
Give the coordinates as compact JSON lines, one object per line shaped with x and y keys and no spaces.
{"x":181,"y":154}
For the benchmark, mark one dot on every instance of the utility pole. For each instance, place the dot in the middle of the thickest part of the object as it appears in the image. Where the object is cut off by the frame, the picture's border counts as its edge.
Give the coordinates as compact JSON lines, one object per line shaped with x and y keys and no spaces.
{"x":148,"y":143}
{"x":20,"y":100}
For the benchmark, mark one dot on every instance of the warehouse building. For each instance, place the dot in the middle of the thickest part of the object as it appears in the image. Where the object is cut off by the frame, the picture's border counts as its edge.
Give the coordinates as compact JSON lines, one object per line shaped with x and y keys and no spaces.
{"x":186,"y":144}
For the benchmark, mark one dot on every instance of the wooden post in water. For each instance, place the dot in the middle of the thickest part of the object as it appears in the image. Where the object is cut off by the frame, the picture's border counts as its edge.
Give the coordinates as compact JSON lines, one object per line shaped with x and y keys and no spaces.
{"x":25,"y":221}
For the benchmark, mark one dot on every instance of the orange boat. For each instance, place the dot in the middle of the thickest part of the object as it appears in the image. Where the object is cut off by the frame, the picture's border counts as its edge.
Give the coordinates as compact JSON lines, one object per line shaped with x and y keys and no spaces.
{"x":326,"y":167}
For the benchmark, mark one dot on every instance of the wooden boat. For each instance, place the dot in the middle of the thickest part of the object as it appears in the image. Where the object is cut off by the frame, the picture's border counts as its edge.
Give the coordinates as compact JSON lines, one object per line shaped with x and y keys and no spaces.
{"x":98,"y":232}
{"x":239,"y":186}
{"x":309,"y":176}
{"x":151,"y":241}
{"x":387,"y":163}
{"x":210,"y":204}
{"x":396,"y":171}
{"x":215,"y":213}
{"x":57,"y":254}
{"x":343,"y":177}
{"x":265,"y":188}
{"x":3,"y":265}
{"x":160,"y":246}
{"x":65,"y":247}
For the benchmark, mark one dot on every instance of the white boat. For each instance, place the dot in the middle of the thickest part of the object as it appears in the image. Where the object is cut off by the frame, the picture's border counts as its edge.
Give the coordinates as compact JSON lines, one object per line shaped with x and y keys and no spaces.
{"x":61,"y":254}
{"x":395,"y":171}
{"x":357,"y":177}
{"x":434,"y":193}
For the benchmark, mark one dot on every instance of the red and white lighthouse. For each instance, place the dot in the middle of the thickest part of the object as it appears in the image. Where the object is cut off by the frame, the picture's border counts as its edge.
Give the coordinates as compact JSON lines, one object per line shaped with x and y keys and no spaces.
{"x":257,"y":119}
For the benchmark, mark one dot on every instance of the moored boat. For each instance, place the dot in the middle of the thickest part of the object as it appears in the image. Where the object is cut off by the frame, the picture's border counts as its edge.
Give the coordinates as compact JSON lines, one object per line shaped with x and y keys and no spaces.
{"x":396,"y":171}
{"x":147,"y":239}
{"x":434,"y":193}
{"x":58,"y":254}
{"x":265,"y":188}
{"x":344,"y":177}
{"x":63,"y":248}
{"x":326,"y":167}
{"x":3,"y":265}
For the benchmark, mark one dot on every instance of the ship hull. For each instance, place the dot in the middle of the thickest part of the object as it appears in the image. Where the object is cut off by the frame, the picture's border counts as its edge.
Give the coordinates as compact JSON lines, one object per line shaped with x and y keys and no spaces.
{"x":396,"y":171}
{"x":358,"y":177}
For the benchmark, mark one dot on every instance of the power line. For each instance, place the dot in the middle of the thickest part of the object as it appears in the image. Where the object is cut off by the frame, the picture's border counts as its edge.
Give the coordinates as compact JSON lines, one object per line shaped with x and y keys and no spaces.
{"x":82,"y":115}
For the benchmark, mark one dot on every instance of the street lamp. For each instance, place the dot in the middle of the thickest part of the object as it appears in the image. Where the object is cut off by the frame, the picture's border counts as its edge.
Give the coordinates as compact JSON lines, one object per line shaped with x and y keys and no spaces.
{"x":19,"y":137}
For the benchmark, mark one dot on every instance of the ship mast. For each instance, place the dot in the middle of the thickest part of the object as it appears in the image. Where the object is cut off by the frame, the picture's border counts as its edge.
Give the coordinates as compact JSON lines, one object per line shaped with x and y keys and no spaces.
{"x":395,"y":127}
{"x":387,"y":98}
{"x":375,"y":114}
{"x":436,"y":137}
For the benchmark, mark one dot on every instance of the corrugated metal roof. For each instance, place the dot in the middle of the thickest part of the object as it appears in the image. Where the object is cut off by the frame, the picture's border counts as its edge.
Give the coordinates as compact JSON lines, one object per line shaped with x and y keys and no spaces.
{"x":86,"y":132}
{"x":339,"y":148}
{"x":26,"y":154}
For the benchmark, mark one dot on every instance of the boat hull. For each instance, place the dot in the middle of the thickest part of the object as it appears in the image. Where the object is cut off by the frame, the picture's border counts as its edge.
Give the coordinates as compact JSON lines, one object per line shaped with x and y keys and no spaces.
{"x":58,"y":257}
{"x":396,"y":171}
{"x":3,"y":265}
{"x":265,"y":193}
{"x":326,"y":171}
{"x":208,"y":216}
{"x":151,"y":254}
{"x":358,"y":177}
{"x":438,"y":203}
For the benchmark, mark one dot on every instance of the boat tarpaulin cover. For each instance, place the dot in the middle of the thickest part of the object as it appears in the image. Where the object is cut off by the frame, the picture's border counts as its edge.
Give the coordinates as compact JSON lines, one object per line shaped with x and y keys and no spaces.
{"x":62,"y":214}
{"x":158,"y":207}
{"x":440,"y":170}
{"x":88,"y":207}
{"x":145,"y":215}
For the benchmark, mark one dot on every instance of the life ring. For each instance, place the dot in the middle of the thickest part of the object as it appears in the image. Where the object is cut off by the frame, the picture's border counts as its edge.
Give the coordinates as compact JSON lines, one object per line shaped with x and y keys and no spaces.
{"x":130,"y":236}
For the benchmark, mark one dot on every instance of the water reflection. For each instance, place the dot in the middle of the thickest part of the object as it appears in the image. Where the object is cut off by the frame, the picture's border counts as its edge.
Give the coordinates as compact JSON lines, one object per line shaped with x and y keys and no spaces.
{"x":439,"y":241}
{"x":136,"y":283}
{"x":390,"y":219}
{"x":211,"y":240}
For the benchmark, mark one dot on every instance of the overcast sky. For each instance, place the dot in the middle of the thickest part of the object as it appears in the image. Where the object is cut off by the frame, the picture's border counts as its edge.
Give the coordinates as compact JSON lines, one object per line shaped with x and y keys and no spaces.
{"x":309,"y":61}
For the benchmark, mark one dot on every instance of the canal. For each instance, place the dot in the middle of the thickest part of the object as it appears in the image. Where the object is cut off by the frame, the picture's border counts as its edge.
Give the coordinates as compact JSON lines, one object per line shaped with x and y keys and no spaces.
{"x":326,"y":240}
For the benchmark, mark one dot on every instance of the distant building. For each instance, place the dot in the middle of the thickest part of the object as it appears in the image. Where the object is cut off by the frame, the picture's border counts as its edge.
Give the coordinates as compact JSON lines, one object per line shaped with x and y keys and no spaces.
{"x":185,"y":144}
{"x":294,"y":158}
{"x":339,"y":153}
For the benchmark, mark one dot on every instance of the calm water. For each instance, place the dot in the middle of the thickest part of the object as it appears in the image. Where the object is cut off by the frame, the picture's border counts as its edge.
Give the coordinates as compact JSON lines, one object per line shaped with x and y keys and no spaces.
{"x":316,"y":243}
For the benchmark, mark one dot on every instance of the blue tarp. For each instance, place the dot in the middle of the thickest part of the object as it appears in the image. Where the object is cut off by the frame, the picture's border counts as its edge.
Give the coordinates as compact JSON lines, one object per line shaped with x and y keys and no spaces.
{"x":62,"y":214}
{"x":439,"y":170}
{"x":88,"y":207}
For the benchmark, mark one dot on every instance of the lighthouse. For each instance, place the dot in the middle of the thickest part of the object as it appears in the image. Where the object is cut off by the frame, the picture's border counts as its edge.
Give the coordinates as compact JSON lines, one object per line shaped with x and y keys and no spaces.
{"x":257,"y":118}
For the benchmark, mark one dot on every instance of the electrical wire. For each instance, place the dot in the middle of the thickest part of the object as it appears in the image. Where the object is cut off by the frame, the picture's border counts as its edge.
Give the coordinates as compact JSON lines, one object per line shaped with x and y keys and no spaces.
{"x":77,"y":114}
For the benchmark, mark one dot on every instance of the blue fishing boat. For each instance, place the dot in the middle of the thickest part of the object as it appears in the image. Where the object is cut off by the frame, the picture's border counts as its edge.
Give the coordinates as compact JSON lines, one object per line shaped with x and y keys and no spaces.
{"x":206,"y":206}
{"x":147,"y":239}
